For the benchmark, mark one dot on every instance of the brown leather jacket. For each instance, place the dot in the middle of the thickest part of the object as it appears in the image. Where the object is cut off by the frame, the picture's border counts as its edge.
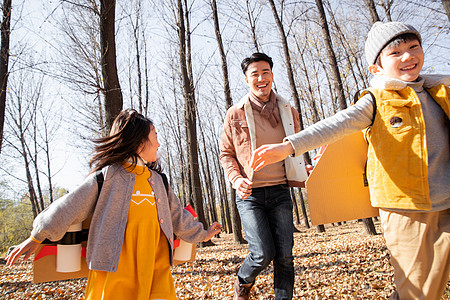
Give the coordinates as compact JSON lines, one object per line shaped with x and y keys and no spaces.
{"x":236,"y":144}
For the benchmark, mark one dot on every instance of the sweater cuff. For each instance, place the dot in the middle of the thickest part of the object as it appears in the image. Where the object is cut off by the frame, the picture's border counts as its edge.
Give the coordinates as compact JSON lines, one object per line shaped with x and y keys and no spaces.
{"x":293,"y":154}
{"x":35,"y":240}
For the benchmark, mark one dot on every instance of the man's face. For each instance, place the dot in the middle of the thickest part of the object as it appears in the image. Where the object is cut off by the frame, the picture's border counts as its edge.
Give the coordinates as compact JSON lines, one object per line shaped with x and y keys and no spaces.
{"x":402,"y":62}
{"x":259,"y":78}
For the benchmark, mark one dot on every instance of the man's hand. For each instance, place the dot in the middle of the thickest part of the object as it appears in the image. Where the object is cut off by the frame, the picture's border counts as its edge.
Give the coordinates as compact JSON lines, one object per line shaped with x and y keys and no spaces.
{"x":243,"y":187}
{"x":269,"y":154}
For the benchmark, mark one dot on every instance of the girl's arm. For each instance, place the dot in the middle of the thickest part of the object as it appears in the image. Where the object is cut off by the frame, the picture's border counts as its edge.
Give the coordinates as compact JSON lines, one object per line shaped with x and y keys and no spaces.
{"x":72,"y":208}
{"x":27,"y":247}
{"x":213,"y":230}
{"x":184,"y":224}
{"x":53,"y":222}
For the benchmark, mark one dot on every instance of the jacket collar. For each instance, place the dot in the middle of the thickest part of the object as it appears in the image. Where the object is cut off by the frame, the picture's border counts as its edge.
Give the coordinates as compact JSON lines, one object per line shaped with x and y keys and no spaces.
{"x":429,"y":81}
{"x":244,"y":100}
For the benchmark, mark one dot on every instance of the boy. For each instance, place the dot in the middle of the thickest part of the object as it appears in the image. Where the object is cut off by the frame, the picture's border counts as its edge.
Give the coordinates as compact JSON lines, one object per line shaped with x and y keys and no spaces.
{"x":408,"y":165}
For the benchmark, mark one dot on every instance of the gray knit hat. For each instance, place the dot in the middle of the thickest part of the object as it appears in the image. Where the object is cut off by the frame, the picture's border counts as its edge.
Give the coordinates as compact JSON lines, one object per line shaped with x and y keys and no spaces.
{"x":381,"y":34}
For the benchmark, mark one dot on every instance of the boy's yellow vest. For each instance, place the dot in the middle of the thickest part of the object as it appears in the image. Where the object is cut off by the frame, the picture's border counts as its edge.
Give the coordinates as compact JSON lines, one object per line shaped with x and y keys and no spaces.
{"x":397,"y":164}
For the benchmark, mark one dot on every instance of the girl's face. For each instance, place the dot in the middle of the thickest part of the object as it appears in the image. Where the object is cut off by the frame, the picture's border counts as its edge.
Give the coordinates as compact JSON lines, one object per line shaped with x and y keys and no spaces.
{"x":148,"y":148}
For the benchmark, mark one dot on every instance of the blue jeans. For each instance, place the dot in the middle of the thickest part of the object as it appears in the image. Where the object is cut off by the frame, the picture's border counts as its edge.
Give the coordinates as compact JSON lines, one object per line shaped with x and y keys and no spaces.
{"x":267,"y":220}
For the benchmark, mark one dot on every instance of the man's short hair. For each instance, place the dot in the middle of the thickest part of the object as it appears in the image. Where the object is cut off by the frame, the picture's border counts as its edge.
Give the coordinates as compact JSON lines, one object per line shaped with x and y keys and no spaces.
{"x":403,"y":38}
{"x":255,"y":57}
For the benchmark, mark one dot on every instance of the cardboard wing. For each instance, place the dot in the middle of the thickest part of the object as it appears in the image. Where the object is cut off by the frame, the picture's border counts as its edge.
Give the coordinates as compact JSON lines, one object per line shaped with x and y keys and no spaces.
{"x":184,"y":251}
{"x":336,"y":188}
{"x":45,"y":263}
{"x":45,"y":259}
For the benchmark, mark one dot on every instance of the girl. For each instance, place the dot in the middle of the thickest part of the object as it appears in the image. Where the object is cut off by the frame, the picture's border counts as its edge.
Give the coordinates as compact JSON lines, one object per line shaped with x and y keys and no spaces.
{"x":134,"y":218}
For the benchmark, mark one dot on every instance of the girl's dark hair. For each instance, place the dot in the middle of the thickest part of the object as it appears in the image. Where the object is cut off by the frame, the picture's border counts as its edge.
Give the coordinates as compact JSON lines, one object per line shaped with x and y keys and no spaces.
{"x":128,"y":131}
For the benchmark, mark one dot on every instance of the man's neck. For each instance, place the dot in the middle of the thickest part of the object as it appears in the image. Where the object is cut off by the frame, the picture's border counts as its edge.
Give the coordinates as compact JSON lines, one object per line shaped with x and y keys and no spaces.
{"x":262,"y":99}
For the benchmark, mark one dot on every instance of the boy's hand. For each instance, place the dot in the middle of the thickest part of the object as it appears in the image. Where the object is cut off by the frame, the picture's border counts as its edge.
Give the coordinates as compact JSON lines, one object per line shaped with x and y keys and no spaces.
{"x":243,"y":187}
{"x":27,"y":247}
{"x":269,"y":154}
{"x":212,"y":231}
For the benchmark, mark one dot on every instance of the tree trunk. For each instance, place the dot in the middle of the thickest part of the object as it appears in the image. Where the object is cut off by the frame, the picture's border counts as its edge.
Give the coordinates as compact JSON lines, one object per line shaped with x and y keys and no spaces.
{"x":235,"y":221}
{"x":31,"y":191}
{"x":373,"y":11}
{"x":387,"y":8}
{"x":4,"y":59}
{"x":289,"y":69}
{"x":252,"y":22}
{"x":47,"y":154}
{"x":320,"y":228}
{"x":208,"y":179}
{"x":190,"y":118}
{"x":446,"y":4}
{"x":287,"y":58}
{"x":294,"y":201}
{"x":136,"y":28}
{"x":310,"y":96}
{"x":331,"y":56}
{"x":40,"y":198}
{"x":113,"y":94}
{"x":294,"y":204}
{"x":235,"y":218}
{"x":302,"y":203}
{"x":369,"y":226}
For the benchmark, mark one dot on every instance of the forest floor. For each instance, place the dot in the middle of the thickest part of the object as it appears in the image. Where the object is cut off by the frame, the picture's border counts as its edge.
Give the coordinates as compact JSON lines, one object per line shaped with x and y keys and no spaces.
{"x":342,"y":263}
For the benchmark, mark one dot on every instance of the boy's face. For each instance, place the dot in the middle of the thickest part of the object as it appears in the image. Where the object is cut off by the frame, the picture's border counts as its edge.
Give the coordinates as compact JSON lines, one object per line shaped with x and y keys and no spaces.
{"x":402,"y":62}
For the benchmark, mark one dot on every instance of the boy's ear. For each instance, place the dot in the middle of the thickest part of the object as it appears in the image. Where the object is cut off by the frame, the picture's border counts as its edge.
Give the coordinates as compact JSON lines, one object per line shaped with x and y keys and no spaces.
{"x":375,"y":69}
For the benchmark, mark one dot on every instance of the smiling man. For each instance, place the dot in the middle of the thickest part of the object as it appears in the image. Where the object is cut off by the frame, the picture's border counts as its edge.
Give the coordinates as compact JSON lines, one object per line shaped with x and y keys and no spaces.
{"x":263,"y":197}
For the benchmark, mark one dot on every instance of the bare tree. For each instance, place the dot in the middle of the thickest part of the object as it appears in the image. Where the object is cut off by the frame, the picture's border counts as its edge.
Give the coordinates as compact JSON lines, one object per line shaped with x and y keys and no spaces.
{"x":190,"y":109}
{"x":446,"y":4}
{"x":21,"y":123}
{"x":4,"y":59}
{"x":113,"y":94}
{"x":78,"y":65}
{"x":252,"y":22}
{"x":235,"y":220}
{"x":331,"y":55}
{"x":288,"y":63}
{"x":387,"y":5}
{"x":373,"y":10}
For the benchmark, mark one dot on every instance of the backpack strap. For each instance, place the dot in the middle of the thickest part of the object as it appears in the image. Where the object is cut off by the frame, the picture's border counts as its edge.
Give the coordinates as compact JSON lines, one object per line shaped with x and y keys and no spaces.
{"x":360,"y":94}
{"x":100,"y":180}
{"x":165,"y":181}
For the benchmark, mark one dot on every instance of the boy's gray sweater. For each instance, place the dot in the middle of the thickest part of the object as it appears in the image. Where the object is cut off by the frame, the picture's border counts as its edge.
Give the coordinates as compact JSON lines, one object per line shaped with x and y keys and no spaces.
{"x":359,"y":116}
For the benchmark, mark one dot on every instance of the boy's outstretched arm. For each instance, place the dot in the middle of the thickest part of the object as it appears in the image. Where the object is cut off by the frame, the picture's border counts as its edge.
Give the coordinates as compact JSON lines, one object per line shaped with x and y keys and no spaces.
{"x":269,"y":154}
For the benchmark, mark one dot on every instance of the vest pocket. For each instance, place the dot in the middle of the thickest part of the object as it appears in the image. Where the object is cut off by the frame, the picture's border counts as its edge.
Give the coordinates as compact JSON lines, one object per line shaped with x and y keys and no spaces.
{"x":397,"y":115}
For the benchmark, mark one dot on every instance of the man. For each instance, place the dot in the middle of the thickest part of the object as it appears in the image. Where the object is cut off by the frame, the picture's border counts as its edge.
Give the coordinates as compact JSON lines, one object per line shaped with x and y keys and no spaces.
{"x":263,"y":197}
